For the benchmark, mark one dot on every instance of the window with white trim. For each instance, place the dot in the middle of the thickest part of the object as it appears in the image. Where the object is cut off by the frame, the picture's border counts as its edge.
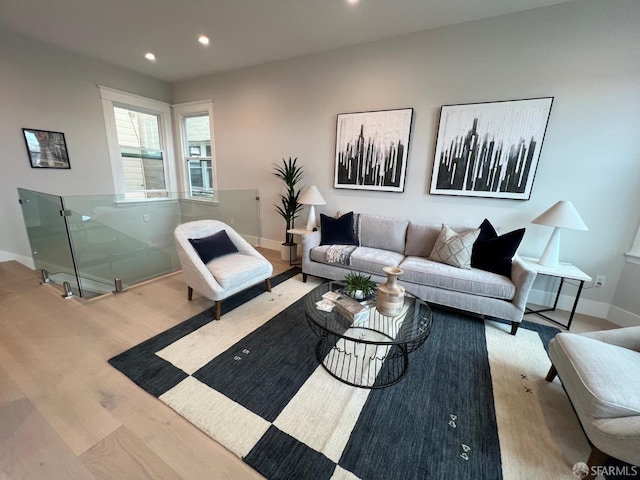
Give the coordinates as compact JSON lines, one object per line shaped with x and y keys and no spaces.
{"x":195,"y":148}
{"x":140,"y":145}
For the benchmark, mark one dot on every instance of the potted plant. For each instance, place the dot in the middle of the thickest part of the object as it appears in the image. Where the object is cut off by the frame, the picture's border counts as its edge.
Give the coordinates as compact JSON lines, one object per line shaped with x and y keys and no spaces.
{"x":359,"y":285}
{"x":291,"y":174}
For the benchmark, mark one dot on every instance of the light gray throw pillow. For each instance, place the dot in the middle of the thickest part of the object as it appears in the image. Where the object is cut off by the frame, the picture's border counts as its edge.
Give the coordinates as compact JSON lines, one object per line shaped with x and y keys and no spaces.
{"x":454,"y":248}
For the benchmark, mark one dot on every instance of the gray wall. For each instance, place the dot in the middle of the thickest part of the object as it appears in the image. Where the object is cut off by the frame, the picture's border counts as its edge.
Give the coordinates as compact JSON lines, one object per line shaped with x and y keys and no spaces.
{"x":584,"y":53}
{"x":47,"y":88}
{"x":625,"y":307}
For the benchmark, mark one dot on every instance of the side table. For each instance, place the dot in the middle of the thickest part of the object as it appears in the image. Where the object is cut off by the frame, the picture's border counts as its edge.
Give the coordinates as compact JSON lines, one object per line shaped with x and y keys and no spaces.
{"x":296,"y":231}
{"x":563,"y":271}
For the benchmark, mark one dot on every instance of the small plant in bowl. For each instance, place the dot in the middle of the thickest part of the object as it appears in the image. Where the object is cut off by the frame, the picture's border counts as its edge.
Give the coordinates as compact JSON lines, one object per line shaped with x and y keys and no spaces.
{"x":359,"y":286}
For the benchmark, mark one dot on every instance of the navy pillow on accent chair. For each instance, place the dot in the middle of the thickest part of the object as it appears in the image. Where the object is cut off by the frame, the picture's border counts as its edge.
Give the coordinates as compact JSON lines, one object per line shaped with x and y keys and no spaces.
{"x":214,"y":246}
{"x":337,"y":231}
{"x":493,"y":252}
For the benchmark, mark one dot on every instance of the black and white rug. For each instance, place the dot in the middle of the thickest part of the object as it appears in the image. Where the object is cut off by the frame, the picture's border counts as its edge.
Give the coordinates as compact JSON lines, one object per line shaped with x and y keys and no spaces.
{"x":474,"y":402}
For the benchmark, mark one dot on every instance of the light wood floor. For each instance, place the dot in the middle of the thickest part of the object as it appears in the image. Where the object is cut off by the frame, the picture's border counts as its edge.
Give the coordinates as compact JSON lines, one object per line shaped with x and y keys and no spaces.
{"x":65,"y":413}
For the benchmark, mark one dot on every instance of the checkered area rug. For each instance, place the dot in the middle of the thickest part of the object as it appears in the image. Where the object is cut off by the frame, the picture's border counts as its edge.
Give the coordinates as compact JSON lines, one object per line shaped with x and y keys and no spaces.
{"x":474,"y":403}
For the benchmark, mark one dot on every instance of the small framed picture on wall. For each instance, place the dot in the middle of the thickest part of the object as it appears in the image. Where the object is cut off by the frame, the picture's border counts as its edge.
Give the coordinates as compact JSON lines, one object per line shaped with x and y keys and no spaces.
{"x":46,"y":149}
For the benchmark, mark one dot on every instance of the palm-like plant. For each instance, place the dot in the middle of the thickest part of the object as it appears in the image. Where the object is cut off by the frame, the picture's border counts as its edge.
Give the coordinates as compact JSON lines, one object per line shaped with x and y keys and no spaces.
{"x":356,"y":281}
{"x":291,"y":174}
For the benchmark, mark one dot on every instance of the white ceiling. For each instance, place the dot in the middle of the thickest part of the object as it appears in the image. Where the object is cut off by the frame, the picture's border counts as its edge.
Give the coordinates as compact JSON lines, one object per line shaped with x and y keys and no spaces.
{"x":242,"y":32}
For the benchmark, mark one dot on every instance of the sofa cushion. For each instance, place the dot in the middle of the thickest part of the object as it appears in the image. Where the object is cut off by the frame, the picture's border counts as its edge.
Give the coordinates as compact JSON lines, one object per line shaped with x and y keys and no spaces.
{"x":213,"y":246}
{"x":493,"y":252}
{"x":365,"y":259}
{"x":421,"y":238}
{"x":454,"y":248}
{"x":478,"y":282}
{"x":337,"y":231}
{"x":608,"y":375}
{"x":238,"y":270}
{"x":382,"y":232}
{"x":373,"y":260}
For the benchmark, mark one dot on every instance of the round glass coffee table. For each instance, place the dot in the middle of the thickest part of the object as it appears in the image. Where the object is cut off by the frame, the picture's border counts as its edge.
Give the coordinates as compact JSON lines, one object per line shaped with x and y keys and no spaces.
{"x":372,"y":350}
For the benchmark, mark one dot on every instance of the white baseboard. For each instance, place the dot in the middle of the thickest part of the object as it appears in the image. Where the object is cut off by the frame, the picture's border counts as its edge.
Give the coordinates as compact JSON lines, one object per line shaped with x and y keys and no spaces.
{"x":8,"y":256}
{"x":275,"y":245}
{"x":622,"y":317}
{"x":565,"y":302}
{"x":270,"y":244}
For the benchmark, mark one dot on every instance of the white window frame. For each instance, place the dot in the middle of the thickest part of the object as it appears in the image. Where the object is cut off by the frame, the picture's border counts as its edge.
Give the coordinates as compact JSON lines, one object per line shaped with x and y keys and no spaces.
{"x":181,"y":112}
{"x":116,"y":98}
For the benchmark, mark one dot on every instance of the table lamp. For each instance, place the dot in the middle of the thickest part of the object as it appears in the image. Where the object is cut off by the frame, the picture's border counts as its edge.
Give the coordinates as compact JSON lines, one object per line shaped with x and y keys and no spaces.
{"x":312,"y":198}
{"x":561,"y":215}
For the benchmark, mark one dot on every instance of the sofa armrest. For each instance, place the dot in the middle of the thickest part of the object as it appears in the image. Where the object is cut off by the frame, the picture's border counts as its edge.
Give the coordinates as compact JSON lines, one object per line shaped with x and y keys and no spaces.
{"x":627,"y":337}
{"x":522,"y":276}
{"x":309,"y":241}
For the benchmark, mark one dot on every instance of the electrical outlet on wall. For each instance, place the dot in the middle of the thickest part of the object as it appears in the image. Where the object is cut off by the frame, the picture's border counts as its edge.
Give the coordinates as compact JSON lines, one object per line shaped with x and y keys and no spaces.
{"x":600,"y":281}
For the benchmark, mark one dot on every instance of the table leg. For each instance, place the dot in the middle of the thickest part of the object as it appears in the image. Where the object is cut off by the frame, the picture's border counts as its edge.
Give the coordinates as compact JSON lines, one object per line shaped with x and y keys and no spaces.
{"x":575,"y":304}
{"x":555,"y":304}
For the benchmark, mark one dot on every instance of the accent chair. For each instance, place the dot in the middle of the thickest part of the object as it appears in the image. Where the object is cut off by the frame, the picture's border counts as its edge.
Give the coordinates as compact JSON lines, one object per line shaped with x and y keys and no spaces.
{"x":600,"y":372}
{"x":217,"y":262}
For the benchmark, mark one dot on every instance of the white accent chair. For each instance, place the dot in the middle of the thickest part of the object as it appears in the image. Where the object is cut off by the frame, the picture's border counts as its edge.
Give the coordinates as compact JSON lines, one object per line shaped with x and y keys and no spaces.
{"x":223,"y":276}
{"x":600,"y":372}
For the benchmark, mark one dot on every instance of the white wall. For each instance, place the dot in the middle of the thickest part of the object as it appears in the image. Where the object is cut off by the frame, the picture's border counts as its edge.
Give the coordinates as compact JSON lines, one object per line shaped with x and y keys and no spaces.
{"x":47,"y":88}
{"x":584,"y":53}
{"x":625,"y":307}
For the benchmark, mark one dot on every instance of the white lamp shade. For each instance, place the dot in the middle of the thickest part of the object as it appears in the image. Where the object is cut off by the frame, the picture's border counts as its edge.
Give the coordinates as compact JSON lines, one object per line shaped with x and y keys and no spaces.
{"x":563,"y":214}
{"x":312,"y":197}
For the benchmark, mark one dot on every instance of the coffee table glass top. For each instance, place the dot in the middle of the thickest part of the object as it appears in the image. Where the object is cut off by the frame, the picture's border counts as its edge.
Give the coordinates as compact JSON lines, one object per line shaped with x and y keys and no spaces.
{"x":409,"y":329}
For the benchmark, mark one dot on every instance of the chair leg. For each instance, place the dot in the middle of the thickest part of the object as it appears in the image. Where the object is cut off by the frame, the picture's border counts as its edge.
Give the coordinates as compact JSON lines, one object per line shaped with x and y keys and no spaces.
{"x":304,"y":278}
{"x":552,"y":374}
{"x":514,"y":327}
{"x":268,"y":284}
{"x":218,"y":308}
{"x":596,"y":459}
{"x":189,"y":293}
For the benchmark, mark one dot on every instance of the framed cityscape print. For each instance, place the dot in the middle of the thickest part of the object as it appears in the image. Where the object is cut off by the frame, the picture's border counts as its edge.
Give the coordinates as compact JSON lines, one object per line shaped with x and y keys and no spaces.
{"x":46,"y":149}
{"x":372,"y":149}
{"x":489,"y":149}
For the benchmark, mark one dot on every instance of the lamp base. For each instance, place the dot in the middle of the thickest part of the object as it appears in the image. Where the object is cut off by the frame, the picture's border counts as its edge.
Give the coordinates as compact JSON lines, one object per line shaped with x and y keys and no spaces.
{"x":311,"y":222}
{"x":551,"y":252}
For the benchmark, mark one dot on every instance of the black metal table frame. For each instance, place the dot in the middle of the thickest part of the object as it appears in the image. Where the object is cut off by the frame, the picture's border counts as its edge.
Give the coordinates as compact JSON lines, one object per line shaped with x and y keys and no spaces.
{"x":321,"y":356}
{"x":555,"y":304}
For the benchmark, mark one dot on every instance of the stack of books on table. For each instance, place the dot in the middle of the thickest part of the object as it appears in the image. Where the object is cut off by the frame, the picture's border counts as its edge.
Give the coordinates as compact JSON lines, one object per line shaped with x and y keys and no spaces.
{"x":349,"y":308}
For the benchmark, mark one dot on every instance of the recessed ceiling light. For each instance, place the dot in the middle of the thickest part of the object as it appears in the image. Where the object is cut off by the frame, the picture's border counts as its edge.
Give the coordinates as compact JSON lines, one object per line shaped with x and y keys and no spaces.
{"x":203,"y":40}
{"x":150,"y":56}
{"x":352,"y":2}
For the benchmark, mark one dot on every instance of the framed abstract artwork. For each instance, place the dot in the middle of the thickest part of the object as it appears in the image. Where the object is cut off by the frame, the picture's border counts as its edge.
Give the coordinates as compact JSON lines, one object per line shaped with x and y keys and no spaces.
{"x":490,"y":149}
{"x":46,"y":149}
{"x":372,"y":149}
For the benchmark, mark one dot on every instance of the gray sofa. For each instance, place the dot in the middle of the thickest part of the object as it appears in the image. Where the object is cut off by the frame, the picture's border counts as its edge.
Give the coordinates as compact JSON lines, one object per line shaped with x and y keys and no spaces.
{"x":405,"y":244}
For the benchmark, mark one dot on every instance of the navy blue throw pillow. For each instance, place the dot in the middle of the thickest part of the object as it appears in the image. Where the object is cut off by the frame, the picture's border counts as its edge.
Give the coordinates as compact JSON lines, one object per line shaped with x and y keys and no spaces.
{"x":214,"y":246}
{"x":493,"y":252}
{"x":337,"y":231}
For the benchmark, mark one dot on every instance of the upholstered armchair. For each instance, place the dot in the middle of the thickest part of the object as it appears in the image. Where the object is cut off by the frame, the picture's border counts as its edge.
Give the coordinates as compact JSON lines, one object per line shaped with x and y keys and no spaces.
{"x":600,"y":372}
{"x":217,"y":262}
